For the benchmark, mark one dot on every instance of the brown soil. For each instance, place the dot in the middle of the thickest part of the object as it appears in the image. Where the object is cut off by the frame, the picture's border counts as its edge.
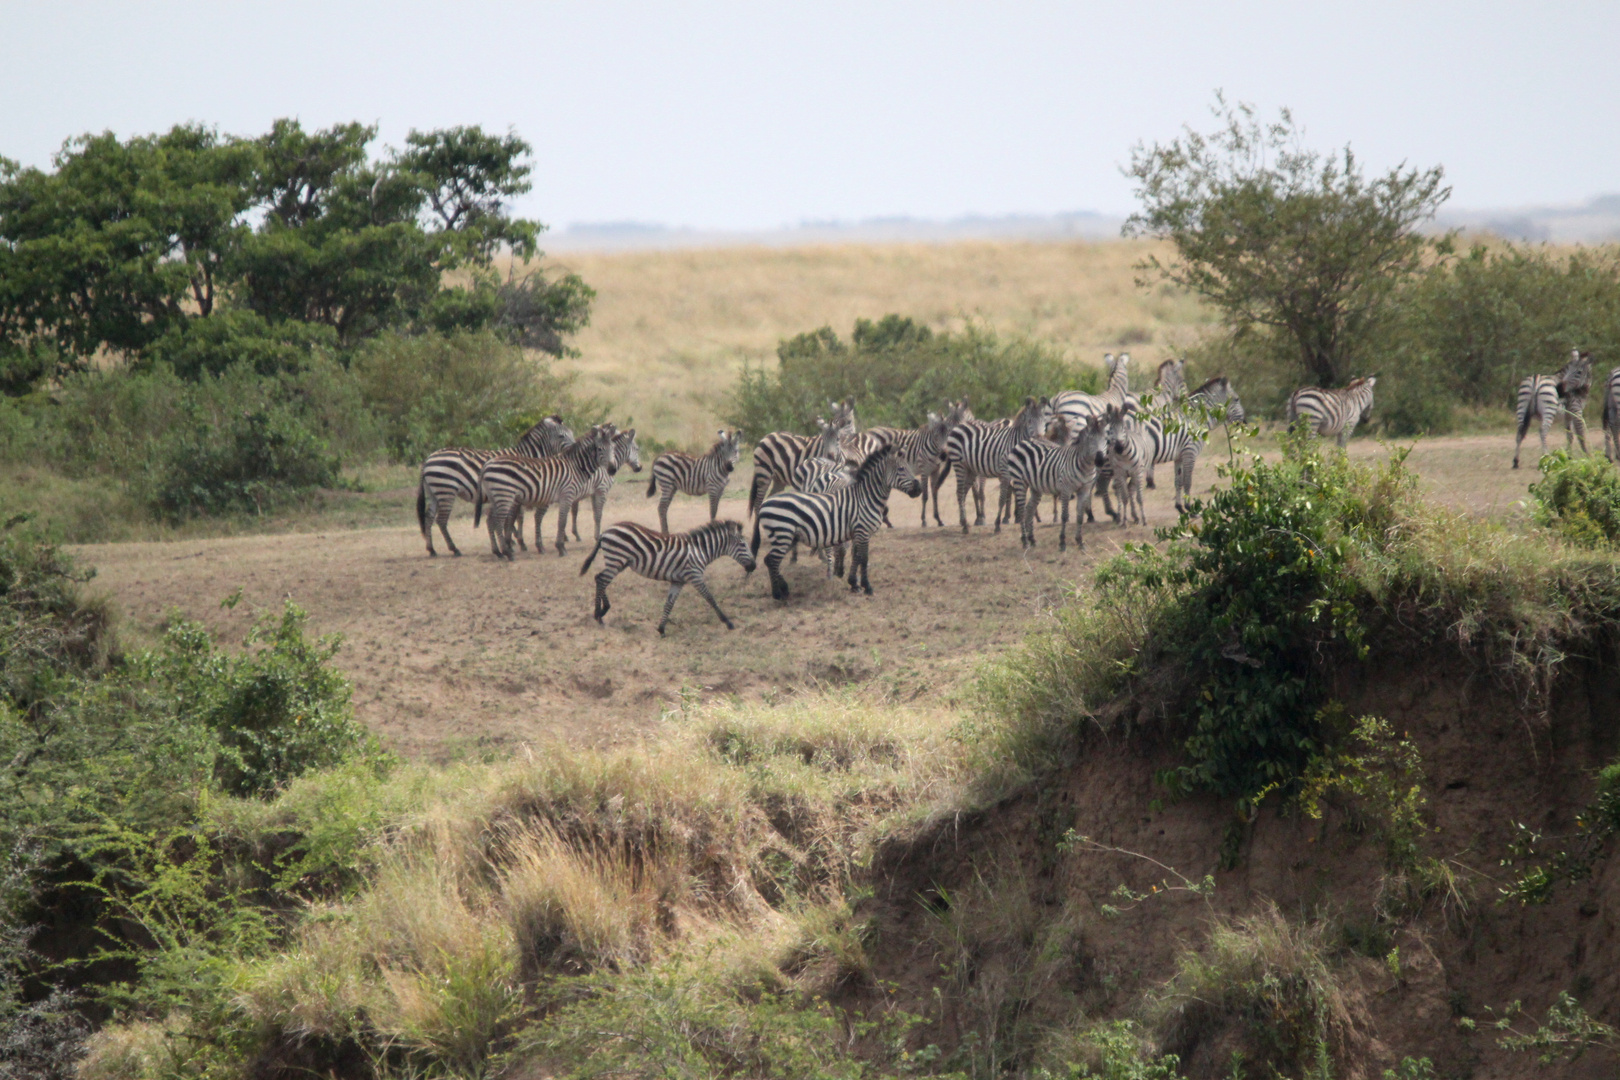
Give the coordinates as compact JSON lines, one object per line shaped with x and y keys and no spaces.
{"x":466,"y":656}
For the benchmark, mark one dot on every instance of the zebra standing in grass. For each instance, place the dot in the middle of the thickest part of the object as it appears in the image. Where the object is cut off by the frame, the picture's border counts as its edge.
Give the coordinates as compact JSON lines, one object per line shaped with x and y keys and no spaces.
{"x":1611,"y":415}
{"x":817,"y":476}
{"x":1066,"y":469}
{"x":1129,"y":449}
{"x":452,"y":473}
{"x":776,"y":455}
{"x":978,"y":448}
{"x":626,"y":451}
{"x":849,"y":514}
{"x":678,"y":558}
{"x":1333,"y":412}
{"x":1545,"y":396}
{"x":692,"y":474}
{"x":1183,"y":445}
{"x":511,"y":482}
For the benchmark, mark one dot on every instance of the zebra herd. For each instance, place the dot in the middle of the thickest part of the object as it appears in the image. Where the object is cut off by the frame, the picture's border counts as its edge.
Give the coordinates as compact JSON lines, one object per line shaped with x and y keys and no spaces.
{"x":829,"y":491}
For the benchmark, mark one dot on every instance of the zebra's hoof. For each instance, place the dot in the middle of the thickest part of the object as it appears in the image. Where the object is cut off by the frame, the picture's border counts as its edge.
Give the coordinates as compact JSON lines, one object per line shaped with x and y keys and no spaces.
{"x":730,"y":625}
{"x":660,"y":629}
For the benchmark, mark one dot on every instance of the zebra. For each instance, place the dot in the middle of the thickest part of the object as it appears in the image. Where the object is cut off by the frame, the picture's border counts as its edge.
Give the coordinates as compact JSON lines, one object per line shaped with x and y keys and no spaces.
{"x":626,"y":451}
{"x":1183,"y":444}
{"x":1076,"y":407}
{"x":956,"y":414}
{"x":817,"y":476}
{"x":777,"y":454}
{"x":692,"y":474}
{"x":1333,"y":412}
{"x":1171,"y":383}
{"x":1545,"y":396}
{"x":1129,"y":450}
{"x":452,"y":473}
{"x":510,"y":482}
{"x":922,"y":447}
{"x":1611,"y":415}
{"x":678,"y":558}
{"x":1066,"y":468}
{"x":978,"y":448}
{"x":849,"y":514}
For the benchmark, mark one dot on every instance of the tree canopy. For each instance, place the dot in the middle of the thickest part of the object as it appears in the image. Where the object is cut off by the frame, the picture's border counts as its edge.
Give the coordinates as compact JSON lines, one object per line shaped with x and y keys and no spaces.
{"x":128,"y":243}
{"x":1293,"y":244}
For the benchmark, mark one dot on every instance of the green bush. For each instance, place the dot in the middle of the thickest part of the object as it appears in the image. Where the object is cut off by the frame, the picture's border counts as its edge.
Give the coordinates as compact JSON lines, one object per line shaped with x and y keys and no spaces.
{"x":254,"y":463}
{"x":1579,"y":498}
{"x":897,"y":371}
{"x":210,"y":346}
{"x":468,"y":389}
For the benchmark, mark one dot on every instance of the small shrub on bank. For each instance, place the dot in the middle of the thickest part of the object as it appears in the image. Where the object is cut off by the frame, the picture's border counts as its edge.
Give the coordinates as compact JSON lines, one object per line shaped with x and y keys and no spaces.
{"x":1578,"y":498}
{"x":254,"y":464}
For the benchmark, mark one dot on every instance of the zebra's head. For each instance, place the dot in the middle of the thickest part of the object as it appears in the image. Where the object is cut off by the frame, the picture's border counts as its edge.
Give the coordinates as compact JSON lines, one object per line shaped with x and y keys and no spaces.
{"x":603,"y":441}
{"x":1092,"y":439}
{"x":957,"y":413}
{"x":843,"y":416}
{"x":626,"y":450}
{"x":1576,"y":378}
{"x":1115,"y":423}
{"x":736,"y":545}
{"x":727,"y":449}
{"x":1033,"y":419}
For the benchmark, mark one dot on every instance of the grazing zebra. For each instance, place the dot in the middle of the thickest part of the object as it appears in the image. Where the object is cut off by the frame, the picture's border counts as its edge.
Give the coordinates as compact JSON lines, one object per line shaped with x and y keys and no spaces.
{"x":1129,"y":450}
{"x":1183,"y":445}
{"x":849,"y":514}
{"x":1611,"y":415}
{"x":678,"y":558}
{"x":691,"y":474}
{"x":1065,"y":469}
{"x":776,"y":455}
{"x":511,"y":482}
{"x":626,"y":451}
{"x":452,"y":473}
{"x":979,"y":448}
{"x":1333,"y":412}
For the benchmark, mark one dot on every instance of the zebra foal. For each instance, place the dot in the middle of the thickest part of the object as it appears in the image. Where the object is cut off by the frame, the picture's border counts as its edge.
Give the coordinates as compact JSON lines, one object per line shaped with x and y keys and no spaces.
{"x":452,"y":473}
{"x":1545,"y":396}
{"x":1129,"y":449}
{"x":1333,"y":412}
{"x":694,"y":474}
{"x":847,"y":514}
{"x":678,"y":558}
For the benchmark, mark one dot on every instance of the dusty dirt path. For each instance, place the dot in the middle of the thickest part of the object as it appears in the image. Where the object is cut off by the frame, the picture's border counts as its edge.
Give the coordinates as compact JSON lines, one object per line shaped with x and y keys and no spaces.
{"x":462,"y":656}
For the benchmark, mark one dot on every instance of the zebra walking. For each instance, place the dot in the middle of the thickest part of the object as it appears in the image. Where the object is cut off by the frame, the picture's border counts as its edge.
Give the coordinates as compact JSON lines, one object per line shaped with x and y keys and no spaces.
{"x":979,"y":448}
{"x":452,"y":473}
{"x":1129,"y":449}
{"x":1333,"y":412}
{"x":511,"y":482}
{"x":1191,"y":429}
{"x":678,"y":558}
{"x":694,"y":474}
{"x":776,"y":455}
{"x":1065,"y":469}
{"x":1611,"y":415}
{"x":1545,"y":396}
{"x":848,"y":514}
{"x":626,"y":451}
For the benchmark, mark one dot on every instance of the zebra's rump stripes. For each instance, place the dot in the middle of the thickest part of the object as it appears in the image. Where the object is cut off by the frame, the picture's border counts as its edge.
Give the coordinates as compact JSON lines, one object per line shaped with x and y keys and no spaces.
{"x":678,"y":558}
{"x":1333,"y":412}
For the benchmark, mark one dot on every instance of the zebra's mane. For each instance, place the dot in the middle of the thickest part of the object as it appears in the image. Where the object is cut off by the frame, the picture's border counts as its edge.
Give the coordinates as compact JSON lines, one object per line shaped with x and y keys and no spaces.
{"x":874,"y":461}
{"x":1210,"y":383}
{"x":1356,"y":383}
{"x":709,"y":528}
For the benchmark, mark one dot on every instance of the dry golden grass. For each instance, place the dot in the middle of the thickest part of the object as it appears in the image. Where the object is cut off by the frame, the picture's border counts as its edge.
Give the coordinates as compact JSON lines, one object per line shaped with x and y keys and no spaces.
{"x":671,"y":328}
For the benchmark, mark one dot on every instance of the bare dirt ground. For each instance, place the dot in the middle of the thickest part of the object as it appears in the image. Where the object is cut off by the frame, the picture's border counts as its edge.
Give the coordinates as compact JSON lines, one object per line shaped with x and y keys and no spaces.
{"x":452,"y":657}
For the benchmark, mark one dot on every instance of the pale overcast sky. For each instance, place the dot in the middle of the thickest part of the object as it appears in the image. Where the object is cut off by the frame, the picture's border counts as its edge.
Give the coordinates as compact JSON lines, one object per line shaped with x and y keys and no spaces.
{"x":756,"y":115}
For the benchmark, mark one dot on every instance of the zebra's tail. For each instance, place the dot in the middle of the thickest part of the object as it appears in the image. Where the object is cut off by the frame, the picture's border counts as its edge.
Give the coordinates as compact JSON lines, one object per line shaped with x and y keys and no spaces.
{"x":756,"y":491}
{"x":421,"y":505}
{"x":586,"y":565}
{"x":652,"y":484}
{"x":478,"y":506}
{"x":755,"y":545}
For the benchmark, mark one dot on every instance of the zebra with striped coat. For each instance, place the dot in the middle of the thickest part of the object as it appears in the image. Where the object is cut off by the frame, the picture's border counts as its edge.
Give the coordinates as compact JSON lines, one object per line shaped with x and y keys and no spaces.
{"x":1129,"y":449}
{"x":1611,"y":415}
{"x":1171,"y":383}
{"x":1077,"y":406}
{"x":694,"y":474}
{"x":1545,"y":396}
{"x":1333,"y":412}
{"x":957,"y":413}
{"x":776,"y":455}
{"x":626,"y":451}
{"x":511,"y":482}
{"x":678,"y":558}
{"x":452,"y":473}
{"x":1183,"y":445}
{"x":1066,"y":469}
{"x":923,"y":448}
{"x":849,"y":514}
{"x":978,"y":448}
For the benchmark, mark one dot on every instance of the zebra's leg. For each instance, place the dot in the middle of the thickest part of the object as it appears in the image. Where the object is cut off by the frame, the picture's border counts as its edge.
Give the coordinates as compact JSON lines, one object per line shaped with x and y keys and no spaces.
{"x":963,"y":484}
{"x":837,"y":561}
{"x":669,"y":604}
{"x":442,"y":514}
{"x":773,"y":564}
{"x":857,"y":564}
{"x":703,"y":590}
{"x":517,"y":526}
{"x":603,"y":580}
{"x":562,"y":530}
{"x":575,"y":511}
{"x":1063,"y":529}
{"x":539,"y":516}
{"x":1524,"y":426}
{"x":714,"y":503}
{"x":598,"y":502}
{"x":1577,"y":426}
{"x":1024,"y":508}
{"x":492,"y":521}
{"x":664,"y":499}
{"x":978,"y":500}
{"x":1546,"y":426}
{"x":939,"y":482}
{"x":1151,"y":485}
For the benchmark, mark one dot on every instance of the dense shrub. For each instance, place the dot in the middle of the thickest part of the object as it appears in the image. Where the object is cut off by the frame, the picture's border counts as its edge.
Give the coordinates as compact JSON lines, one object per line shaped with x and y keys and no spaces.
{"x":1579,"y":498}
{"x":897,"y":371}
{"x":210,"y":346}
{"x":463,"y":388}
{"x":252,"y":463}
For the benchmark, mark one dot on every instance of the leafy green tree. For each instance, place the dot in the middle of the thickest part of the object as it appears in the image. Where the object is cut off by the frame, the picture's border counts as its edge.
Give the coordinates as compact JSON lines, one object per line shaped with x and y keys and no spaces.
{"x":1299,"y":247}
{"x":467,"y":179}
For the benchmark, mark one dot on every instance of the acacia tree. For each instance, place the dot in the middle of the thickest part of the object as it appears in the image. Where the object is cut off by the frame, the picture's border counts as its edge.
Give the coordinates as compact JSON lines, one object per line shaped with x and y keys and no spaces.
{"x":1281,"y":238}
